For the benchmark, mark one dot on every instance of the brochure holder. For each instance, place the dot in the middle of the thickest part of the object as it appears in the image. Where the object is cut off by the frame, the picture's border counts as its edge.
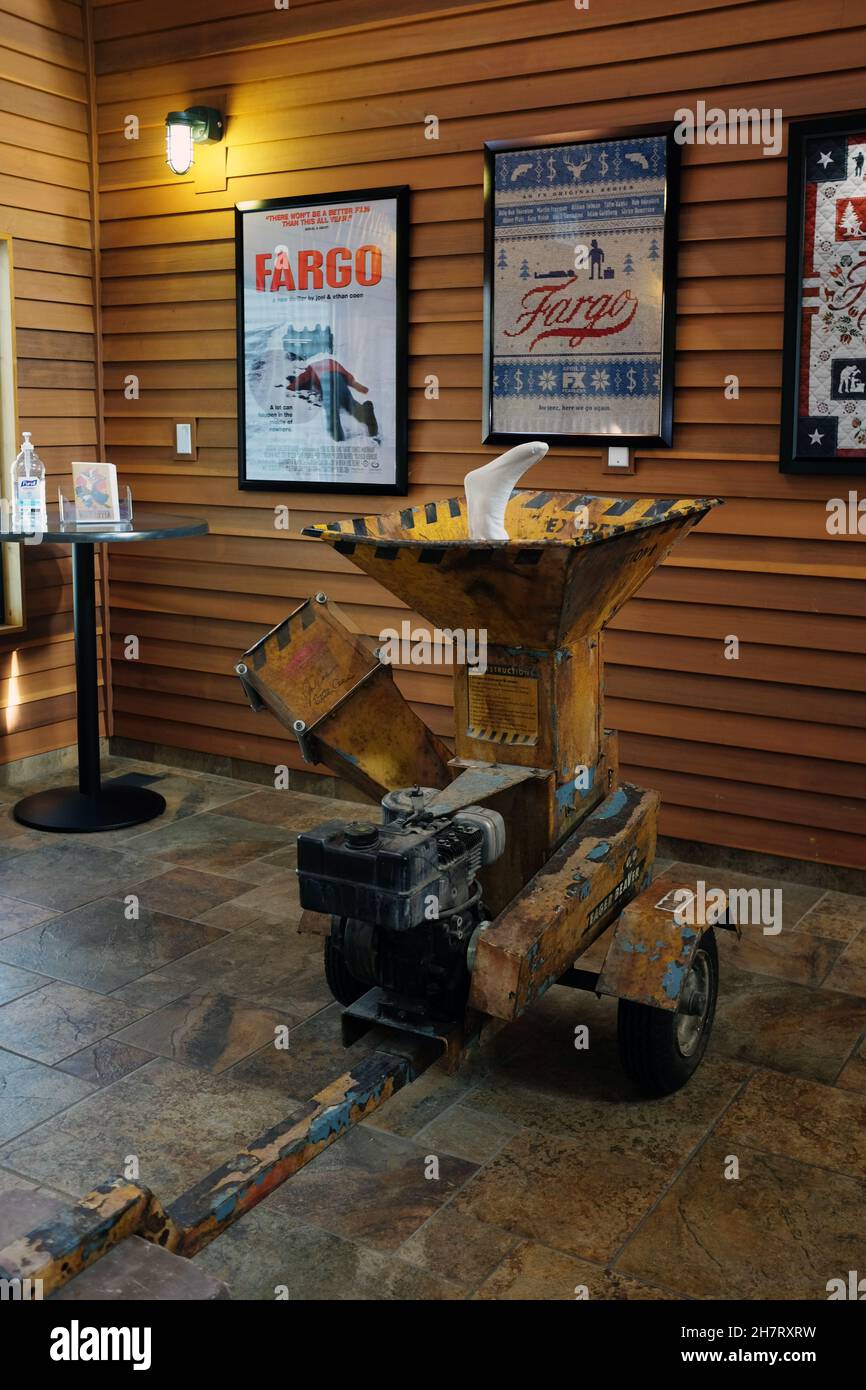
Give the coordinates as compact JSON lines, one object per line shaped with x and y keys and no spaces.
{"x":66,"y":508}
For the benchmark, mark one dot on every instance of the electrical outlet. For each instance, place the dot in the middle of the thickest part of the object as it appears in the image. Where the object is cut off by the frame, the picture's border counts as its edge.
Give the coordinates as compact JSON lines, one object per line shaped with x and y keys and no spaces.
{"x":619,"y":460}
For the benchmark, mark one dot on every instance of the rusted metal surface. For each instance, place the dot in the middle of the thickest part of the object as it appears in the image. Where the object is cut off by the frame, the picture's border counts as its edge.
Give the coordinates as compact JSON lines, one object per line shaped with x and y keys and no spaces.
{"x":553,"y":582}
{"x":59,"y":1250}
{"x":323,"y":683}
{"x":566,"y":905}
{"x":221,"y":1198}
{"x":477,"y":782}
{"x":654,"y":941}
{"x":64,"y":1246}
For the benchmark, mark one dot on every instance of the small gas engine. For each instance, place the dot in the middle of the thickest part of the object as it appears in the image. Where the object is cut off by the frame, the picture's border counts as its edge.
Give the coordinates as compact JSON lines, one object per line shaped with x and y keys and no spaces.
{"x":405,"y":902}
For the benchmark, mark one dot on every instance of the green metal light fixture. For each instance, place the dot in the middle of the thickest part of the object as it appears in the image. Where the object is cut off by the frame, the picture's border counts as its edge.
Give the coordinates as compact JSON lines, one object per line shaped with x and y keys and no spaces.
{"x":183,"y":129}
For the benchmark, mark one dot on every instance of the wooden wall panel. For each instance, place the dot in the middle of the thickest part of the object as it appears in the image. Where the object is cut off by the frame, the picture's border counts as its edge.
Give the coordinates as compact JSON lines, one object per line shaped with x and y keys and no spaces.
{"x":45,"y":203}
{"x":766,"y":753}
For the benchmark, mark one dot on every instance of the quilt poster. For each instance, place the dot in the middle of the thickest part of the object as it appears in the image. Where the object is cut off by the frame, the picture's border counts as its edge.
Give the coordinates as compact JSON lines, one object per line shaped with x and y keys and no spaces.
{"x":321,"y":355}
{"x":577,"y":275}
{"x":826,"y":429}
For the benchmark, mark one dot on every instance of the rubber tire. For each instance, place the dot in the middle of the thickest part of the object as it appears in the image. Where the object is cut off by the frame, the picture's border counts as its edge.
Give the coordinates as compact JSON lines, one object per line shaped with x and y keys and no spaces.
{"x":343,"y":985}
{"x":648,"y":1049}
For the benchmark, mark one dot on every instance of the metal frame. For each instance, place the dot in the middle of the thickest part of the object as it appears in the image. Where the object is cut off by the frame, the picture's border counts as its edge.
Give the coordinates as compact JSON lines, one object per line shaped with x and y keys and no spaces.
{"x":798,"y":133}
{"x":669,"y":283}
{"x":400,"y":194}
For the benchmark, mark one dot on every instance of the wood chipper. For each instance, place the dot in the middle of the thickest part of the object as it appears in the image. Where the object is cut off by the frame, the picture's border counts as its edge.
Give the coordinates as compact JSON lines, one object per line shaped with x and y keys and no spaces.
{"x":491,"y":871}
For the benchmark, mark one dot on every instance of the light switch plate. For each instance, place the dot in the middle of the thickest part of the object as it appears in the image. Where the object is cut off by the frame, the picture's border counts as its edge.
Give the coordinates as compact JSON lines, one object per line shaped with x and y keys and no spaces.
{"x":185,"y":445}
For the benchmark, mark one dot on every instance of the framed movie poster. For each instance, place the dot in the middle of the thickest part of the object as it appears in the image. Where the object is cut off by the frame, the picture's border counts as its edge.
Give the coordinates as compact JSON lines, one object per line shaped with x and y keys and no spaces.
{"x":824,"y":362}
{"x":580,"y":281}
{"x":322,"y":342}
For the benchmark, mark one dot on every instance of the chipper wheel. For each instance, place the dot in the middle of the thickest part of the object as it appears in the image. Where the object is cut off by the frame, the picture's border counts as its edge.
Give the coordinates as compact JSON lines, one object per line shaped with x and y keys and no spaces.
{"x":341,"y":982}
{"x":659,"y":1050}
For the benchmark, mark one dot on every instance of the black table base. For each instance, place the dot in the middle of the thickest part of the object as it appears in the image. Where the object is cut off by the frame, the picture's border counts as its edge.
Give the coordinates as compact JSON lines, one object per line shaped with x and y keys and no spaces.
{"x":67,"y":810}
{"x":91,"y":807}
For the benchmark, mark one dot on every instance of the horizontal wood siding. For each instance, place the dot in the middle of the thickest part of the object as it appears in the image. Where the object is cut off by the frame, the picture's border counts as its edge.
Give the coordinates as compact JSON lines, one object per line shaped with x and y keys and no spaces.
{"x":45,"y":204}
{"x":767,"y":752}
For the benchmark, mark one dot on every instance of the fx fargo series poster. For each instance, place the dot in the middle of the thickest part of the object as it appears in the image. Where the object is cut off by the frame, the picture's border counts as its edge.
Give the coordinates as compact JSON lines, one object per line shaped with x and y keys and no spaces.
{"x":580,"y":277}
{"x":322,"y":342}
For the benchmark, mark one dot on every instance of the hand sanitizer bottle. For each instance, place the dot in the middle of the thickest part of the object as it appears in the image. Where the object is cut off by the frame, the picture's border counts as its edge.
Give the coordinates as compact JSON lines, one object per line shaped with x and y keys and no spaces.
{"x":28,"y":490}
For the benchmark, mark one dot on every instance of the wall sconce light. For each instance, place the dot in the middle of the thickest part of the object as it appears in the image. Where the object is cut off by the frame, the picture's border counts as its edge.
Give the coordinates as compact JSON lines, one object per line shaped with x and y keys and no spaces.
{"x":183,"y":129}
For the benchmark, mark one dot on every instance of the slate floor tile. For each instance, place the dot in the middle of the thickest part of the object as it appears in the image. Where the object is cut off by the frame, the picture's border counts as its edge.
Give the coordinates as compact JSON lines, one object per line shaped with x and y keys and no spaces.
{"x":276,"y":901}
{"x":151,"y":992}
{"x":800,"y":1119}
{"x":836,"y":914}
{"x":552,"y":1191}
{"x":537,"y":1273}
{"x":786,"y":1027}
{"x":292,"y":810}
{"x":371,"y":1187}
{"x":180,"y":1123}
{"x":98,"y":948}
{"x":456,"y":1247}
{"x":781,"y":1230}
{"x":104,"y":1061}
{"x":30,"y":1092}
{"x":269,"y":1255}
{"x":415,"y":1106}
{"x":315,"y":1055}
{"x":799,"y":956}
{"x":211,"y":842}
{"x":184,"y":892}
{"x":469,"y":1133}
{"x":852,"y":1077}
{"x":796,"y":898}
{"x":186,"y":794}
{"x":849,"y":971}
{"x":279,"y":969}
{"x":59,"y":1019}
{"x":63,"y":876}
{"x":16,"y":915}
{"x":14,"y":982}
{"x":661,"y":1131}
{"x":211,"y":1031}
{"x":13,"y":1182}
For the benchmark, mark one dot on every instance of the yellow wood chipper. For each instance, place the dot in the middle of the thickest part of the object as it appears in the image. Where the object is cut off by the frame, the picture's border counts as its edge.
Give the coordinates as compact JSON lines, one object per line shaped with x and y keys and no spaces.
{"x":490,"y":871}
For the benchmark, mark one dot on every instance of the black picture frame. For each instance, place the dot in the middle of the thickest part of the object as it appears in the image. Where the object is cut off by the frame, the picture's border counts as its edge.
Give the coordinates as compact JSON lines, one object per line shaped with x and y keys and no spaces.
{"x":399,"y":194}
{"x":792,"y":458}
{"x":664,"y":436}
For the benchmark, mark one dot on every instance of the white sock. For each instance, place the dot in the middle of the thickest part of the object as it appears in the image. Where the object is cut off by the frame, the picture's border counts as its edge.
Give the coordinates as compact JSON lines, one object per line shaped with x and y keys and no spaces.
{"x":488,"y":489}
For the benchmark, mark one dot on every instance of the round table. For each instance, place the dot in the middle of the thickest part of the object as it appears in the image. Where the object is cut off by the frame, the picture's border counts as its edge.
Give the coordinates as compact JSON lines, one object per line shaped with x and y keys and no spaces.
{"x":91,"y":806}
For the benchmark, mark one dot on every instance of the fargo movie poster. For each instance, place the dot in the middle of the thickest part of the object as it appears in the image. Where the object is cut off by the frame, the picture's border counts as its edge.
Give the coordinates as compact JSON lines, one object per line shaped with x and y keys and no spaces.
{"x":319,"y":313}
{"x":576,"y":275}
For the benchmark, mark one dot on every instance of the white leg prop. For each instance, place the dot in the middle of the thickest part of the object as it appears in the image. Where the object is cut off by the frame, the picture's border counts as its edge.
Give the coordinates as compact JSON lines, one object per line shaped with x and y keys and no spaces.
{"x":488,"y":489}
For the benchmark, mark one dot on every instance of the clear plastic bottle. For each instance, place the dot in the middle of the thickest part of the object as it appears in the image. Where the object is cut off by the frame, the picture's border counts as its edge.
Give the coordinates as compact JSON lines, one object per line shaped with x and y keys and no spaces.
{"x":28,"y":489}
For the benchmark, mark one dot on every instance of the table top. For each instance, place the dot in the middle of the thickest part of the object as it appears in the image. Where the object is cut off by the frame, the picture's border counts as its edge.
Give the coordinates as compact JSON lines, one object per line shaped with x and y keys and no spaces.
{"x":145,"y":526}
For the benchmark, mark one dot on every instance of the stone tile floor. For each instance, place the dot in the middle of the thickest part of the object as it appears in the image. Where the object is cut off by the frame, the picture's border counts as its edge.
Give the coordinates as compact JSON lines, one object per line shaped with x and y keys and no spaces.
{"x":144,"y":976}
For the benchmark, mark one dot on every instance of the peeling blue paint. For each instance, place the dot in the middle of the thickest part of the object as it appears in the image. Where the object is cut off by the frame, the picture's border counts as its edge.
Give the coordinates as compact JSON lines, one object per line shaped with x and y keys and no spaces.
{"x":672,"y":981}
{"x":599,"y":851}
{"x":612,"y":805}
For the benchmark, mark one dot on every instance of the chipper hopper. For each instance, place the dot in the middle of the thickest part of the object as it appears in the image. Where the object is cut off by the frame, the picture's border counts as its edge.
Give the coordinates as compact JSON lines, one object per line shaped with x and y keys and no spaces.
{"x":490,"y":870}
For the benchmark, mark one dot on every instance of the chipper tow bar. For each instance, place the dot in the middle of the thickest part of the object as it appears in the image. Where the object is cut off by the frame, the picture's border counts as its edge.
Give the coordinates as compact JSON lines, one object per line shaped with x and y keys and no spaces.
{"x":492,"y":870}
